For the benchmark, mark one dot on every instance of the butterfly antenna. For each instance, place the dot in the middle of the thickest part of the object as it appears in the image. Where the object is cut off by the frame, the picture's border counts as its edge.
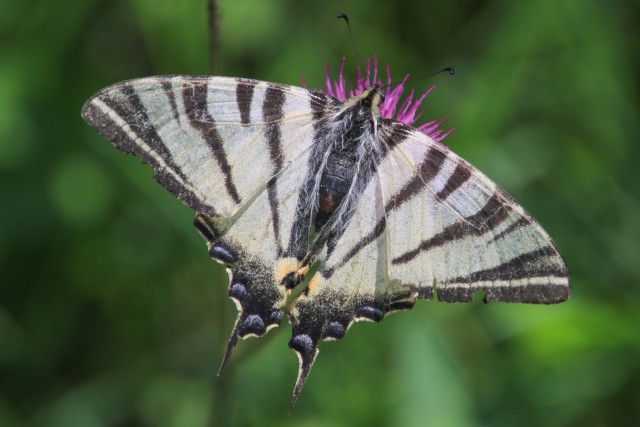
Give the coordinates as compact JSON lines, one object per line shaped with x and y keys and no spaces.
{"x":449,"y":70}
{"x":353,"y":41}
{"x":233,"y":340}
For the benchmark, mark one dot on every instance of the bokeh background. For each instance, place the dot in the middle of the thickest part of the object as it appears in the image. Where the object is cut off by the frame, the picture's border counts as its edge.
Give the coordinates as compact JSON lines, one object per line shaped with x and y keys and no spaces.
{"x":112,"y":314}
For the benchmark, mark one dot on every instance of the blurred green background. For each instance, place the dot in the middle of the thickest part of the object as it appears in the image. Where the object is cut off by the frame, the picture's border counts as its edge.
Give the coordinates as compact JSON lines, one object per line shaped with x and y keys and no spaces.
{"x":112,"y":314}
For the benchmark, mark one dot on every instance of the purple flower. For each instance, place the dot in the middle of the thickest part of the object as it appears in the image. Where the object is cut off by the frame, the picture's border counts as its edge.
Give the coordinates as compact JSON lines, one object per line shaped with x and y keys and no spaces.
{"x":407,"y":113}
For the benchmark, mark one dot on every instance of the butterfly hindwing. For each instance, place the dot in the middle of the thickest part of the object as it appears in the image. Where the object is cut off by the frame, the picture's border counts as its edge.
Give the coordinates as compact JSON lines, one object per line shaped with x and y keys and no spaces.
{"x":261,"y":242}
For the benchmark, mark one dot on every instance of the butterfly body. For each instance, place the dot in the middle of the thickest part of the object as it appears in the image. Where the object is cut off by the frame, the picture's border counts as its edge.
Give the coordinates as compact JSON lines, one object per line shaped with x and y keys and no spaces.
{"x":336,"y":180}
{"x":283,"y":178}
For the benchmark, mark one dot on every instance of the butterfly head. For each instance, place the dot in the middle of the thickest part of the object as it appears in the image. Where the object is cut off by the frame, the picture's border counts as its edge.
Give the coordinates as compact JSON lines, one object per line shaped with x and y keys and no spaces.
{"x":370,"y":99}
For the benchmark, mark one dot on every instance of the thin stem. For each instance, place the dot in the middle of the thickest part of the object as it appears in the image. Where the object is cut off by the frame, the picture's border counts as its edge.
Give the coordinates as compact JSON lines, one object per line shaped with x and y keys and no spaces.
{"x":221,"y":405}
{"x":215,"y":37}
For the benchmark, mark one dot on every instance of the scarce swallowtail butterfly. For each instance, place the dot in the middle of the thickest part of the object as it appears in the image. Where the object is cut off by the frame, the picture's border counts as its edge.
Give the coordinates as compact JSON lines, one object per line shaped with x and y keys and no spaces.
{"x":294,"y":188}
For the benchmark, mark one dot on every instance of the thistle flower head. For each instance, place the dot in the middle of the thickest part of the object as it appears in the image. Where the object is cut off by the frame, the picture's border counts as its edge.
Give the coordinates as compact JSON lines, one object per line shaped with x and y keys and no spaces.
{"x":392,"y":107}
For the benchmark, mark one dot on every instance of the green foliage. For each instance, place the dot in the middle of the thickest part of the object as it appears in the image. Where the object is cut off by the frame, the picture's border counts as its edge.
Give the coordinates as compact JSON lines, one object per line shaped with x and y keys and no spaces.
{"x":111,"y":313}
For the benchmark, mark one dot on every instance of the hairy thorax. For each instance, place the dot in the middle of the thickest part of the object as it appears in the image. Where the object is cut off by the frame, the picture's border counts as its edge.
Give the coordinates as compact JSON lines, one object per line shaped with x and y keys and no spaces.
{"x":350,"y":147}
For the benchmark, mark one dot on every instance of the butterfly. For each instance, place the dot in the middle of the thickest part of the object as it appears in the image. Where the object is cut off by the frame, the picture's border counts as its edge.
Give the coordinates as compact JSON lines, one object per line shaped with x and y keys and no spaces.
{"x":323,"y":210}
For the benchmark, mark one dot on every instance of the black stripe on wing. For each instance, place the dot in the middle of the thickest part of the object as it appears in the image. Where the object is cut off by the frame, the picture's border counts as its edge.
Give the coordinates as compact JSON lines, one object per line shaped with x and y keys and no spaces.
{"x":486,"y":219}
{"x":537,"y":263}
{"x":244,"y":98}
{"x":168,"y":90}
{"x":377,"y":231}
{"x":428,"y":169}
{"x":272,"y":113}
{"x":460,"y":175}
{"x":539,"y":266}
{"x":125,"y":105}
{"x":194,"y":97}
{"x":521,"y":222}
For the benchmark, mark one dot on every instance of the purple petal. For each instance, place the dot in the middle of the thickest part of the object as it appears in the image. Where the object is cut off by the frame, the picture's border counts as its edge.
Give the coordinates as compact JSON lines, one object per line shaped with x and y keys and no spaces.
{"x":407,"y":112}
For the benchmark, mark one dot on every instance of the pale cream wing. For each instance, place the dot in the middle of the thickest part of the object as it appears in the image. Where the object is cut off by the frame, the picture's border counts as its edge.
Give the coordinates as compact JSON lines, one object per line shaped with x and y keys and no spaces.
{"x":214,"y":142}
{"x":261,"y":245}
{"x":450,"y":228}
{"x":237,"y":151}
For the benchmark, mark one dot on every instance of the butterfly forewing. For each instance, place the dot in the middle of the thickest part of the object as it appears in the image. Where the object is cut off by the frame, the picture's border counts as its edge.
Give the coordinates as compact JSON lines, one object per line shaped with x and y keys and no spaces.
{"x":213,"y":141}
{"x":452,"y":228}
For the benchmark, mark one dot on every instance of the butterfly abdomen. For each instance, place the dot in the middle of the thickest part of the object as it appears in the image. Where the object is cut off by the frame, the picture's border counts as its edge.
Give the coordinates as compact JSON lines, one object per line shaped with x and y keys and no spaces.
{"x":335,"y":183}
